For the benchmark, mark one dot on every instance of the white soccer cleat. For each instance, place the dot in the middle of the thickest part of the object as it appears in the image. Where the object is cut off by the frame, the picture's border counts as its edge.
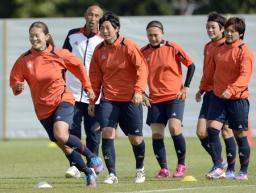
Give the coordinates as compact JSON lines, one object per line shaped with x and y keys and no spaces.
{"x":111,"y":179}
{"x":140,"y":176}
{"x":72,"y":172}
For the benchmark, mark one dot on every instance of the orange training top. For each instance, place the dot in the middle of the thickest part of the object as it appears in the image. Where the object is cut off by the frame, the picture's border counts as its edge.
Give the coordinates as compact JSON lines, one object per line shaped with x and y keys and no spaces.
{"x":119,"y":69}
{"x":165,"y":72}
{"x":206,"y":83}
{"x":234,"y":65}
{"x":44,"y":72}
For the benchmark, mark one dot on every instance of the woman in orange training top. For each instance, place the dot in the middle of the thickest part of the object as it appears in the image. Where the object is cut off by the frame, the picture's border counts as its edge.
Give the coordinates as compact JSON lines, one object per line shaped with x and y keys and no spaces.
{"x":233,"y":61}
{"x":119,"y":71}
{"x":43,"y":67}
{"x":215,"y":30}
{"x":167,"y":94}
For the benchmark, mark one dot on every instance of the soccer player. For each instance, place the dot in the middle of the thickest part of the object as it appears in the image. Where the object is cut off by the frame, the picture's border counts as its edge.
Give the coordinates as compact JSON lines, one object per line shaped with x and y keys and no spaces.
{"x":215,"y":30}
{"x":43,"y":68}
{"x":119,"y":68}
{"x":233,"y":62}
{"x":82,"y":42}
{"x":167,"y":94}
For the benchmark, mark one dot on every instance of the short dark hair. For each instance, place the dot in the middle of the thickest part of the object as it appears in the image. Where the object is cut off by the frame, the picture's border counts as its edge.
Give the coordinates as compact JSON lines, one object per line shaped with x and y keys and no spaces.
{"x":112,"y":18}
{"x":155,"y":24}
{"x":216,"y":17}
{"x":238,"y":23}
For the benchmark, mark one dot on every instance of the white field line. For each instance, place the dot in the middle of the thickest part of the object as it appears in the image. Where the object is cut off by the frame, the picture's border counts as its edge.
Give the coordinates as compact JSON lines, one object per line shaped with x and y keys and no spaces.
{"x":192,"y":188}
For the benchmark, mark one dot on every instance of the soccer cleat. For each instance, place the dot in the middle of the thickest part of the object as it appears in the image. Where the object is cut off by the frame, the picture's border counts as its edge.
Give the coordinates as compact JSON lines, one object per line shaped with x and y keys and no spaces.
{"x":111,"y":179}
{"x":139,"y":176}
{"x":91,"y":179}
{"x":180,"y":171}
{"x":72,"y":172}
{"x":241,"y":176}
{"x":163,"y":173}
{"x":230,"y":174}
{"x":97,"y":164}
{"x":216,"y":173}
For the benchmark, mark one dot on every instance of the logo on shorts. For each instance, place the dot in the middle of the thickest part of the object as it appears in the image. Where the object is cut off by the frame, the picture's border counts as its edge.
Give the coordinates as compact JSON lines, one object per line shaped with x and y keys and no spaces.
{"x":240,"y":126}
{"x":229,"y":155}
{"x":58,"y":117}
{"x":136,"y":131}
{"x":174,"y":114}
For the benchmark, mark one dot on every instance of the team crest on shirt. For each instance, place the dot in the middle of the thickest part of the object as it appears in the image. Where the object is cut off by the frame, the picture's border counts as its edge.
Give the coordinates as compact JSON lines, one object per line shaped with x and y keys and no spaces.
{"x":148,"y":59}
{"x":29,"y":65}
{"x":103,"y":57}
{"x":76,"y":43}
{"x":219,"y":55}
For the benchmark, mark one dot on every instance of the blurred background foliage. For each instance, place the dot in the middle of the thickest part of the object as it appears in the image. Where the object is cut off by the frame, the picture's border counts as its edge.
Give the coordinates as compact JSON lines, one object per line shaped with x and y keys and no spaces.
{"x":76,"y":8}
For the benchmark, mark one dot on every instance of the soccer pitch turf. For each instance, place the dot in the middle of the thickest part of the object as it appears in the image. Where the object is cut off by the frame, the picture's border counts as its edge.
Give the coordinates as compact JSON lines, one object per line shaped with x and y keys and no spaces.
{"x":25,"y":162}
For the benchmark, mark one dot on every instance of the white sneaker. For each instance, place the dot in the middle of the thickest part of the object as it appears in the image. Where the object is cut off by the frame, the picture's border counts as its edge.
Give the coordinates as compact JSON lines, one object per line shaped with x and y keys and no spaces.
{"x":72,"y":172}
{"x":140,"y":176}
{"x":111,"y":179}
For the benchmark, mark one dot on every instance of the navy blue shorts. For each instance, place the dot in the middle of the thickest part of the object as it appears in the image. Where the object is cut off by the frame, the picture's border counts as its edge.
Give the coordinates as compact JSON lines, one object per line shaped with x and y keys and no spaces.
{"x":64,"y":112}
{"x":128,"y":115}
{"x":205,"y":105}
{"x":235,"y":111}
{"x":163,"y":111}
{"x":81,"y":115}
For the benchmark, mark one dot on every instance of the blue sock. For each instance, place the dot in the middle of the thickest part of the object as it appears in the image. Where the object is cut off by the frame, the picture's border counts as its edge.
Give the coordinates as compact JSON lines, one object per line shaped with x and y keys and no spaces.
{"x":78,"y":146}
{"x":160,"y":153}
{"x":206,"y":145}
{"x":109,"y":154}
{"x":180,"y":148}
{"x":244,"y":153}
{"x":139,"y":153}
{"x":215,"y":146}
{"x":76,"y":160}
{"x":231,"y":152}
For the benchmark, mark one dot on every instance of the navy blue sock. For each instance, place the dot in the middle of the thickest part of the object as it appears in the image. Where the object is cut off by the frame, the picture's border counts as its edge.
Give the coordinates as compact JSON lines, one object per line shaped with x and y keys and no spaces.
{"x":160,"y":153}
{"x":77,"y":145}
{"x":139,"y":153}
{"x":244,"y":153}
{"x":76,"y":160}
{"x":70,"y":161}
{"x":93,"y":142}
{"x":180,"y":148}
{"x":231,"y":152}
{"x":109,"y":154}
{"x":206,"y":145}
{"x":215,"y":146}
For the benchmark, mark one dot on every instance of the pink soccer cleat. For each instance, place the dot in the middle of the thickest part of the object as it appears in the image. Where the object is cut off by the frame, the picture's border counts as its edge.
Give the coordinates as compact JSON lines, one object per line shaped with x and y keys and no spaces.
{"x":180,"y":171}
{"x":163,"y":173}
{"x":241,"y":176}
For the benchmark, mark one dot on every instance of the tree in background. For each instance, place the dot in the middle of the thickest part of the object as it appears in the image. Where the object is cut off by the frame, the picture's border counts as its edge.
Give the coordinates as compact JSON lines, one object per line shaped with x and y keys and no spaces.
{"x":75,"y":8}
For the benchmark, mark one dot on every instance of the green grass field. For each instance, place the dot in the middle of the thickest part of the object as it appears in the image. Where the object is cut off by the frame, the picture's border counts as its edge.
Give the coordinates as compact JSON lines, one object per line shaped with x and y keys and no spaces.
{"x":25,"y":162}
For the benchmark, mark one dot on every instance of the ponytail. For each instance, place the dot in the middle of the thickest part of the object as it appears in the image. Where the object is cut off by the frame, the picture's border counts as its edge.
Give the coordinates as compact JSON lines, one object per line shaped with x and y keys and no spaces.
{"x":44,"y":27}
